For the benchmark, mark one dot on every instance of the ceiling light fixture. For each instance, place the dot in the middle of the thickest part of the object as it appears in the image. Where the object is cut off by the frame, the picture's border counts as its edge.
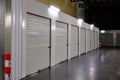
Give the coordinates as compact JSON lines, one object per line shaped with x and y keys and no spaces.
{"x":80,"y":21}
{"x":102,"y":31}
{"x":55,"y":8}
{"x":92,"y":25}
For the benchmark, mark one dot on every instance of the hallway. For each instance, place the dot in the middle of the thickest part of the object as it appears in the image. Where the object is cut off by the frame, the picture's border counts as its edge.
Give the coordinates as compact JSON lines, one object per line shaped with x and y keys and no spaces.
{"x":101,"y":64}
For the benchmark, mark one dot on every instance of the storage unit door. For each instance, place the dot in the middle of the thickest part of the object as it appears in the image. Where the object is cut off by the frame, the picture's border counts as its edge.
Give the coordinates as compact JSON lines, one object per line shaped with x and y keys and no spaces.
{"x":96,"y":39}
{"x":92,"y":40}
{"x":82,"y":41}
{"x":107,"y":39}
{"x":2,"y":36}
{"x":37,"y":43}
{"x":88,"y":32}
{"x":74,"y":41}
{"x":61,"y":42}
{"x":118,"y":39}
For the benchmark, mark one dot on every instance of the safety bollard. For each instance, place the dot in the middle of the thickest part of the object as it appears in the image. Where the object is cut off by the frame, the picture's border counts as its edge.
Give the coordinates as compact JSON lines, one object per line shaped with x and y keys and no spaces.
{"x":7,"y":65}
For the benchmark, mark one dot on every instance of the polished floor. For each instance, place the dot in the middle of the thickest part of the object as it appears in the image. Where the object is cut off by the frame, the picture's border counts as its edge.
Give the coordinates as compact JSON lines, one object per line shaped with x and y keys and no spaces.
{"x":103,"y":64}
{"x":1,"y":67}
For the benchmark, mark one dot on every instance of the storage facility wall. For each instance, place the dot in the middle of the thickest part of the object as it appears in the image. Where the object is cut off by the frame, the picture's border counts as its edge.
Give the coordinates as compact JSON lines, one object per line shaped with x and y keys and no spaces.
{"x":74,"y":41}
{"x":44,"y":38}
{"x":110,"y":38}
{"x":107,"y":39}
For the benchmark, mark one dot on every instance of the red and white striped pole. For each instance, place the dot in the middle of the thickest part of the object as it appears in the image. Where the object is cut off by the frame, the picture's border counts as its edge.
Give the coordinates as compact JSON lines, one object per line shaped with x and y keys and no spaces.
{"x":7,"y":71}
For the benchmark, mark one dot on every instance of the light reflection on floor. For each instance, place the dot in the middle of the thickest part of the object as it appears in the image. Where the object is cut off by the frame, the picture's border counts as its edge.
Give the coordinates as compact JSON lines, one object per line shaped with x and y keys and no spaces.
{"x":101,"y":64}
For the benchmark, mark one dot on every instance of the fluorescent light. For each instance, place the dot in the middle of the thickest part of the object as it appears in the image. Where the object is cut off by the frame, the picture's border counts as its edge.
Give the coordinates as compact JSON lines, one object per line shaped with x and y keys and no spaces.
{"x":92,"y":25}
{"x":53,"y":13}
{"x":80,"y":21}
{"x":102,"y":31}
{"x":55,"y":8}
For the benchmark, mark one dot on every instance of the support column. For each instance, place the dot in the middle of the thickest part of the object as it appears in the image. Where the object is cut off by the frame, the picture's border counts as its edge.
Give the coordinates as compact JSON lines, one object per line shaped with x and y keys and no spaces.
{"x":16,"y":39}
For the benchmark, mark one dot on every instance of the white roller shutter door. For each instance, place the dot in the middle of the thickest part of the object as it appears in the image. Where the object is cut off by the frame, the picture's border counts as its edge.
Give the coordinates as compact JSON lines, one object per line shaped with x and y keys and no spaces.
{"x":82,"y":41}
{"x":88,"y":32}
{"x":92,"y":40}
{"x":74,"y":41}
{"x":96,"y":39}
{"x":37,"y":43}
{"x":3,"y":37}
{"x":61,"y":42}
{"x":97,"y":45}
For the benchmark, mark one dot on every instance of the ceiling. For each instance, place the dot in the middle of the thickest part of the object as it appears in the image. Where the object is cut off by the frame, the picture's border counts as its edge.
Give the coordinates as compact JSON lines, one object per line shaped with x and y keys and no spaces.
{"x":104,"y":14}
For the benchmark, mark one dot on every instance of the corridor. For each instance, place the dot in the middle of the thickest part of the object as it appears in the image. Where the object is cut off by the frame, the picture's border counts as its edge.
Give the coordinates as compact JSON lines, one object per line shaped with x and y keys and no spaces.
{"x":103,"y":64}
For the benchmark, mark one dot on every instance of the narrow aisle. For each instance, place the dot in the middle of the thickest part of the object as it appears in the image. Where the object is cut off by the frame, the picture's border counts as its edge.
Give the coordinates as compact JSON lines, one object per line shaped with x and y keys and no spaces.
{"x":103,"y":64}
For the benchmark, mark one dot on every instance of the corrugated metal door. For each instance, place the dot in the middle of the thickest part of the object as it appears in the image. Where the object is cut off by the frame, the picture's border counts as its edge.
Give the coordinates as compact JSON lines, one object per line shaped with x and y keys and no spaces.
{"x":92,"y":40}
{"x":2,"y":36}
{"x":37,"y":43}
{"x":88,"y":32}
{"x":74,"y":41}
{"x":118,"y":39}
{"x":96,"y":39}
{"x":83,"y":41}
{"x":61,"y":42}
{"x":107,"y":39}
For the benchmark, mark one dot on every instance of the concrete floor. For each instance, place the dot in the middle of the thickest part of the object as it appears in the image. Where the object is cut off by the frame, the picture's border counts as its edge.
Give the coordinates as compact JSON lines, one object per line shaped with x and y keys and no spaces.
{"x":1,"y":67}
{"x":103,"y":64}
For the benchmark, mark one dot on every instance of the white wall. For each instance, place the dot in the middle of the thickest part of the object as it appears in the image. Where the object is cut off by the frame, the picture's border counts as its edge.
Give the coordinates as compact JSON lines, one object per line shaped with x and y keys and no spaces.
{"x":20,"y":7}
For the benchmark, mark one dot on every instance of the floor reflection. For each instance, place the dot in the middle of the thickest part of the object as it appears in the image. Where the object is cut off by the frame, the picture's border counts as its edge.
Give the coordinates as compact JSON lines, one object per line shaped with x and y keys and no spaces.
{"x":100,"y":64}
